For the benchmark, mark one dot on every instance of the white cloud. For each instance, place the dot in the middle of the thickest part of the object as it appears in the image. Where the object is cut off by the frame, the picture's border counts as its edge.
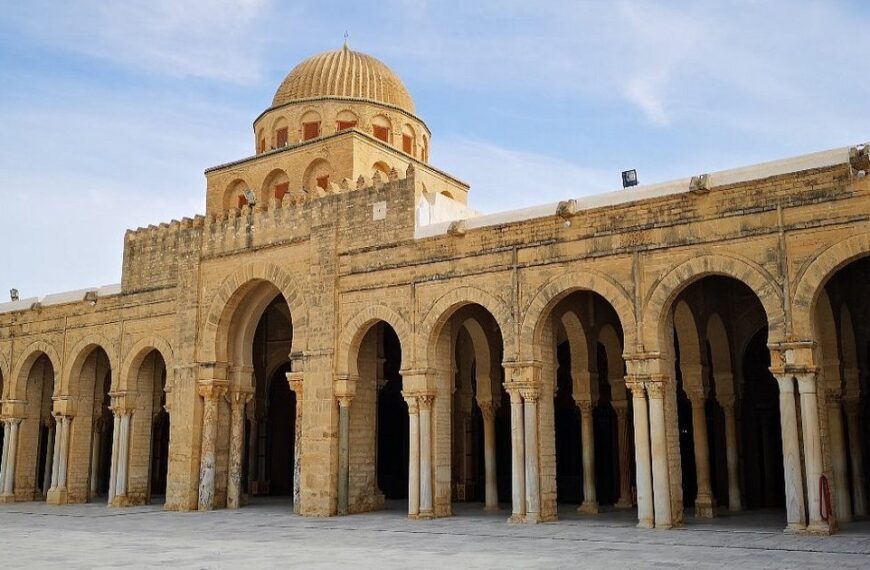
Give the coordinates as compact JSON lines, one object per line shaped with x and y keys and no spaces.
{"x":503,"y":178}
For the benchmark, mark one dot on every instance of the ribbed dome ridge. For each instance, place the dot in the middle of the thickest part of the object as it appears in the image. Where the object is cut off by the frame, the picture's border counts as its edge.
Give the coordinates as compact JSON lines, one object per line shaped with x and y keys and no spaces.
{"x":344,"y":73}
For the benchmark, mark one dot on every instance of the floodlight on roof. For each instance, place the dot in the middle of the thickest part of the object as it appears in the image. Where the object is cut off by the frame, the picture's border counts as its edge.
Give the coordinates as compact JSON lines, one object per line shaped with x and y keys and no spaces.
{"x":629,"y":178}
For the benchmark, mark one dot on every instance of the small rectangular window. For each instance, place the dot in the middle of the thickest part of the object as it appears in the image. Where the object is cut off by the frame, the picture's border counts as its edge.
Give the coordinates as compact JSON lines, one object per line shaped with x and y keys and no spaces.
{"x":345,"y":125}
{"x":281,"y":189}
{"x":323,"y":181}
{"x":310,"y":131}
{"x":281,"y":137}
{"x":382,"y":133}
{"x":407,"y":144}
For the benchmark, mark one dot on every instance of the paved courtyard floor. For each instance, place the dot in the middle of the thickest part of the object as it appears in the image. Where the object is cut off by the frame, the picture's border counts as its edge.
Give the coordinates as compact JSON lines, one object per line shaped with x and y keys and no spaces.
{"x":267,"y":534}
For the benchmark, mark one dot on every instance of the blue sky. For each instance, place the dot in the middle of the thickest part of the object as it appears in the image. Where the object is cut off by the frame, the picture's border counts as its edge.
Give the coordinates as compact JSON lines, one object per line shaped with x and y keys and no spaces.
{"x":110,"y":111}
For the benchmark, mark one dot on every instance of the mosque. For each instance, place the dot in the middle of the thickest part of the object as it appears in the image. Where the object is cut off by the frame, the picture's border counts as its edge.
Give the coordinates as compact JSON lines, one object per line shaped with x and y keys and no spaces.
{"x":341,"y":329}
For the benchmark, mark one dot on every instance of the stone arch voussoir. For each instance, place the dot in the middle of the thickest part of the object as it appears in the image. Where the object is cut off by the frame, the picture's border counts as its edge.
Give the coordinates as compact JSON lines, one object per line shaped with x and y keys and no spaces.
{"x":355,"y":329}
{"x":134,"y":357}
{"x":76,"y":356}
{"x":815,"y":275}
{"x":16,"y":389}
{"x":561,"y":286}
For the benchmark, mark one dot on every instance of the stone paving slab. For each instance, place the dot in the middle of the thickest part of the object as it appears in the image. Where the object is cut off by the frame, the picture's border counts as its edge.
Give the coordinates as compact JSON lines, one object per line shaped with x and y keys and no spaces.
{"x":269,"y":535}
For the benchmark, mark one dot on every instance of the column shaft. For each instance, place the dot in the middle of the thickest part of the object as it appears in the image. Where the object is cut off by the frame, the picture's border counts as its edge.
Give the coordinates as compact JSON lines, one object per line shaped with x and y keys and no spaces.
{"x":64,"y":452}
{"x":587,"y":436}
{"x":123,"y":456}
{"x":642,"y":459}
{"x":704,"y":498}
{"x":791,"y":455}
{"x":859,"y":499}
{"x":518,"y":460}
{"x":116,"y":440}
{"x":211,"y":394}
{"x":812,"y":451}
{"x":533,"y":486}
{"x":11,"y":458}
{"x":55,"y":464}
{"x":237,"y":449}
{"x":343,"y":454}
{"x":4,"y":458}
{"x":489,"y":466}
{"x":426,"y":456}
{"x":49,"y":458}
{"x":731,"y":457}
{"x":624,"y":501}
{"x":658,"y":439}
{"x":413,"y":457}
{"x":95,"y":459}
{"x":839,"y":466}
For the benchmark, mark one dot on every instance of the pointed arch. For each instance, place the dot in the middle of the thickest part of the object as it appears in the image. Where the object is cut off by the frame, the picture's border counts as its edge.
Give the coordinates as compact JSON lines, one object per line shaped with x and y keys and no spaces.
{"x":75,"y":358}
{"x":549,"y":294}
{"x":813,"y":277}
{"x":674,"y":281}
{"x":355,"y":330}
{"x":136,"y":354}
{"x":22,"y":368}
{"x":232,"y":292}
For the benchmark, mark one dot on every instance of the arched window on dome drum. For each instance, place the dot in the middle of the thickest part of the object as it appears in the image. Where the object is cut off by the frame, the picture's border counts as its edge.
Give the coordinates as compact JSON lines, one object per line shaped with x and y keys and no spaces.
{"x":345,"y":120}
{"x":261,"y":142}
{"x":408,"y":140}
{"x":310,"y":131}
{"x":281,"y":138}
{"x":381,"y":128}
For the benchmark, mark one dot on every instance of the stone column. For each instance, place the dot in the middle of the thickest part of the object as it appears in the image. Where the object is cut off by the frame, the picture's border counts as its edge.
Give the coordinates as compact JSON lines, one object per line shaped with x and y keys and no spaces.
{"x":58,"y":494}
{"x":518,"y":458}
{"x":587,"y":436}
{"x":413,"y":457}
{"x":343,"y":453}
{"x":859,"y":500}
{"x":487,"y":410}
{"x":837,"y":440}
{"x":113,"y":468}
{"x":533,"y":483}
{"x":791,"y":455}
{"x":4,"y":456}
{"x":812,"y":450}
{"x":621,"y":409}
{"x":253,"y":441}
{"x":731,"y":457}
{"x":659,"y":444}
{"x":238,"y":401}
{"x":123,"y":458}
{"x":55,"y":464}
{"x":425,"y":403}
{"x":95,"y":455}
{"x":49,"y":458}
{"x":10,"y":454}
{"x":211,"y":392}
{"x":704,"y":498}
{"x":295,"y":380}
{"x":642,"y":459}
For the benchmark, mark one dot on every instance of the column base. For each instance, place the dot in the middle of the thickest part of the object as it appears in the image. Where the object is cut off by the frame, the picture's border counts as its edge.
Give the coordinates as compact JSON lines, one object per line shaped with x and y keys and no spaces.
{"x":533,"y":518}
{"x":121,"y":501}
{"x":735,"y":508}
{"x":820,"y":528}
{"x":795,"y":528}
{"x":426,"y":516}
{"x":645,"y":523}
{"x":588,"y":508}
{"x":704,"y":508}
{"x":664,"y":526}
{"x":623,"y":504}
{"x":57,"y":496}
{"x":5,"y":499}
{"x":517,"y":518}
{"x":491,"y":508}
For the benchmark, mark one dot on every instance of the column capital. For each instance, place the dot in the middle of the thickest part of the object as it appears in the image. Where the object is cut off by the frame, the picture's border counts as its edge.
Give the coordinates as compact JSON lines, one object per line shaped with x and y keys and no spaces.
{"x":585,"y":406}
{"x":344,"y":386}
{"x":785,"y":382}
{"x":807,"y":382}
{"x":620,"y":407}
{"x":487,"y":408}
{"x":636,"y":386}
{"x":413,"y":406}
{"x":425,"y":401}
{"x":239,"y":397}
{"x":212,"y":389}
{"x":294,"y":380}
{"x":530,"y":393}
{"x":656,"y":389}
{"x":344,"y":401}
{"x":122,"y":402}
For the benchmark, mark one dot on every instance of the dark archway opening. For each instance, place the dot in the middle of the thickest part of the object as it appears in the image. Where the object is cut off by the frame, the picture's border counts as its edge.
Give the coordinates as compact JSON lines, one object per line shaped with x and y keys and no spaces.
{"x":392,"y":421}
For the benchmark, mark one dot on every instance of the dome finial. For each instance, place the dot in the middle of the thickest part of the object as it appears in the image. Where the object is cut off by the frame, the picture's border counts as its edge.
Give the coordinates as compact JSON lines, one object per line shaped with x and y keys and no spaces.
{"x":345,"y":39}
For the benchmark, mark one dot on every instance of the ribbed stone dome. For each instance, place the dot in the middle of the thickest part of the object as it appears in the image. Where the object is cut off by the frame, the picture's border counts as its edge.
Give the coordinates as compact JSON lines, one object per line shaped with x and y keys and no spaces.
{"x":344,"y":73}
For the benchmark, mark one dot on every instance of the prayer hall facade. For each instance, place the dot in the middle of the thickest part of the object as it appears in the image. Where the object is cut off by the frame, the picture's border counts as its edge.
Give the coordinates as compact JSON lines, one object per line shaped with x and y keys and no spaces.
{"x":342,"y":330}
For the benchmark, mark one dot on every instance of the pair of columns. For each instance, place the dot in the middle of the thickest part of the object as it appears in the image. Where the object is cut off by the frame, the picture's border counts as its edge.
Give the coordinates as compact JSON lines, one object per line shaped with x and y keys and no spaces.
{"x":122,"y":419}
{"x":7,"y":463}
{"x":58,"y":493}
{"x":801,"y":516}
{"x":651,"y":453}
{"x":420,"y":455}
{"x":525,"y":460}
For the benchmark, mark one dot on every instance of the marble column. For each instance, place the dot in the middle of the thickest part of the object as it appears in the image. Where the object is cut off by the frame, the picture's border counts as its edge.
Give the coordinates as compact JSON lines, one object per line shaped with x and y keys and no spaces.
{"x":533,"y":484}
{"x":113,"y":469}
{"x":659,"y":445}
{"x":839,"y":464}
{"x":211,"y":393}
{"x":642,"y":459}
{"x":295,"y":380}
{"x":57,"y":495}
{"x":122,"y":463}
{"x":413,"y":457}
{"x":95,"y":455}
{"x":487,"y":410}
{"x":859,"y":500}
{"x":10,"y":454}
{"x":5,"y":456}
{"x":704,"y":497}
{"x":735,"y":502}
{"x":55,"y":464}
{"x":49,"y":458}
{"x":518,"y":458}
{"x":812,"y":451}
{"x":621,"y":409}
{"x":343,"y":453}
{"x":587,"y":436}
{"x":425,"y":403}
{"x":791,"y":455}
{"x":238,"y":401}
